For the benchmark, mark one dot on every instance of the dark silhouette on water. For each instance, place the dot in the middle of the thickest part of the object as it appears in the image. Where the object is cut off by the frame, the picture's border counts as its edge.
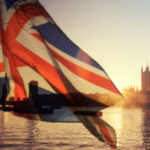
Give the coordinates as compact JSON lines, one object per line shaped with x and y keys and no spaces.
{"x":4,"y":95}
{"x":47,"y":103}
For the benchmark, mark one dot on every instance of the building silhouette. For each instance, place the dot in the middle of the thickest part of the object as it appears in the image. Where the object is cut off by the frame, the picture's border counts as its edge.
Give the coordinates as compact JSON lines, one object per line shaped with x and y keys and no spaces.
{"x":141,"y":96}
{"x":145,"y":79}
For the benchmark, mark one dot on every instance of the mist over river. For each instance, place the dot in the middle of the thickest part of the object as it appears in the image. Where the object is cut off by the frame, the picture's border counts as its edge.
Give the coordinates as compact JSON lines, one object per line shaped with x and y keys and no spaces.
{"x":132,"y":128}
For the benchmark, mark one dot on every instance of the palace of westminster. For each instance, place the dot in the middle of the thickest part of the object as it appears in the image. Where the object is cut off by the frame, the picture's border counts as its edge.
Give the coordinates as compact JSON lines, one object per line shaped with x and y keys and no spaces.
{"x":144,"y":93}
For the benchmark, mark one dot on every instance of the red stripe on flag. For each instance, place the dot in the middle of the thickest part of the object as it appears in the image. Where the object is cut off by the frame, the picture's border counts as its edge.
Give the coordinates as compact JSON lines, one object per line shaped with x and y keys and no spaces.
{"x":19,"y":86}
{"x":18,"y":24}
{"x":49,"y":72}
{"x":18,"y":62}
{"x":104,"y":131}
{"x":29,"y":58}
{"x":83,"y":73}
{"x":86,"y":74}
{"x":2,"y":69}
{"x":9,"y":39}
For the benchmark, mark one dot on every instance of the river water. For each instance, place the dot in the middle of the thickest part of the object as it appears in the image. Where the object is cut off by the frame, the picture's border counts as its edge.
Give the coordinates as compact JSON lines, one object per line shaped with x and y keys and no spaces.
{"x":132,"y":128}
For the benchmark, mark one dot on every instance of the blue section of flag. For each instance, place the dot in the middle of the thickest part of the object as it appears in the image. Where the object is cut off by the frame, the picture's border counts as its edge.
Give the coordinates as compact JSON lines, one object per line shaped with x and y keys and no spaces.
{"x":9,"y":3}
{"x":2,"y":81}
{"x":52,"y":33}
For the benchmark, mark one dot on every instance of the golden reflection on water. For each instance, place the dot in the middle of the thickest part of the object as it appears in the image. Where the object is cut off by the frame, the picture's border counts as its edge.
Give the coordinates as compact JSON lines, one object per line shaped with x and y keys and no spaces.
{"x":114,"y":118}
{"x":127,"y":124}
{"x":6,"y":116}
{"x":30,"y":134}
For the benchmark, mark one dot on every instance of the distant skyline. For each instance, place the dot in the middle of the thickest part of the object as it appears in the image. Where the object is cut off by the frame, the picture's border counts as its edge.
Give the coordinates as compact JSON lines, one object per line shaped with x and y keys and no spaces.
{"x":114,"y":33}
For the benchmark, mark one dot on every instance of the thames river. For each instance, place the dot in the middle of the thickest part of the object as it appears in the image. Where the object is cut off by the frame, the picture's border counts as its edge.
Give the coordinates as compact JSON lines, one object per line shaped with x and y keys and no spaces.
{"x":132,"y":128}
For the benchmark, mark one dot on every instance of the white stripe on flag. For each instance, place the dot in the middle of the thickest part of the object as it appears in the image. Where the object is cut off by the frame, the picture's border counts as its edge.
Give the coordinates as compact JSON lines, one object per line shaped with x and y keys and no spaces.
{"x":35,"y":46}
{"x":28,"y":74}
{"x":78,"y":62}
{"x":1,"y":54}
{"x":82,"y":85}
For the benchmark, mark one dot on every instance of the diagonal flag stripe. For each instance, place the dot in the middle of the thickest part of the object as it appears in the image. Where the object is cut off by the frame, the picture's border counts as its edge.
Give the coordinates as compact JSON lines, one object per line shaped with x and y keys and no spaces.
{"x":104,"y":131}
{"x":19,"y":86}
{"x":13,"y":23}
{"x":2,"y":69}
{"x":71,"y":59}
{"x":85,"y":74}
{"x":65,"y":44}
{"x":18,"y":62}
{"x":49,"y":72}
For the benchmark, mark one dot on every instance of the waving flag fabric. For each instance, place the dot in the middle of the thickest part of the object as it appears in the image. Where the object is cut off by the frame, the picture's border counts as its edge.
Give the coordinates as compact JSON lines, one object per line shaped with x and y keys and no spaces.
{"x":35,"y":48}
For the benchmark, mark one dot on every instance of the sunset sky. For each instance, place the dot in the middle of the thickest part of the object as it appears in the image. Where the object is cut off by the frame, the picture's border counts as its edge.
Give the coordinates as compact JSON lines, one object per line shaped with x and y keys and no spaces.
{"x":116,"y":33}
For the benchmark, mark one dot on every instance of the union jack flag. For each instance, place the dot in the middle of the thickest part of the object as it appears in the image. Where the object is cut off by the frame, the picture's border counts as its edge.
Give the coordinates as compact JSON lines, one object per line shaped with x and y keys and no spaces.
{"x":33,"y":47}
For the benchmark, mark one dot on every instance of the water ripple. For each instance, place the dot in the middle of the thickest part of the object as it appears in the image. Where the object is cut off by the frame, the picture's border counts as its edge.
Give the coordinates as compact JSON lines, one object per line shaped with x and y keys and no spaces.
{"x":132,"y":127}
